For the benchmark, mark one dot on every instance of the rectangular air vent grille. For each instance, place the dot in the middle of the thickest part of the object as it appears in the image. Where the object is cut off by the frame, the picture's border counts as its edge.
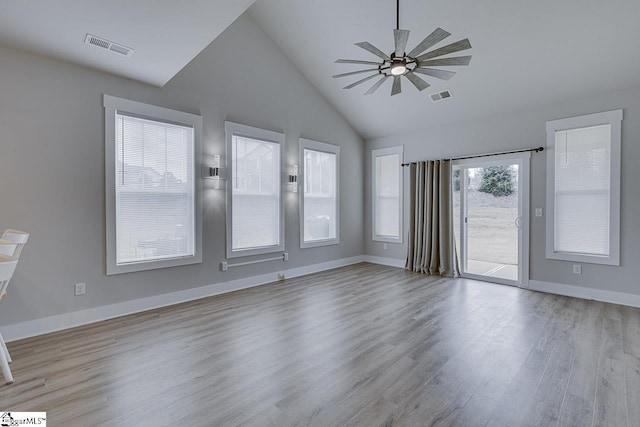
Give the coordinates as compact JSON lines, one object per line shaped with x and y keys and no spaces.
{"x":436,"y":97}
{"x":108,"y":45}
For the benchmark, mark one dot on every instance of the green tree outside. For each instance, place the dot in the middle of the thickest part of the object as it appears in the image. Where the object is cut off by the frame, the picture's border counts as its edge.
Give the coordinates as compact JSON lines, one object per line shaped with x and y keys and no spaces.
{"x":497,"y":180}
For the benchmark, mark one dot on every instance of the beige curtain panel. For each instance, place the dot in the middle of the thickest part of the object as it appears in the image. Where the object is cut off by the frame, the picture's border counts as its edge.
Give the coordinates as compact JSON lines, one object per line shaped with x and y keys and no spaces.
{"x":431,"y":247}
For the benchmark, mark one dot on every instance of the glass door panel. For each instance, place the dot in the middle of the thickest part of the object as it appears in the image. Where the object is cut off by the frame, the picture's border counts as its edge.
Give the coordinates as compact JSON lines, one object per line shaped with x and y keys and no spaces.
{"x":488,"y":206}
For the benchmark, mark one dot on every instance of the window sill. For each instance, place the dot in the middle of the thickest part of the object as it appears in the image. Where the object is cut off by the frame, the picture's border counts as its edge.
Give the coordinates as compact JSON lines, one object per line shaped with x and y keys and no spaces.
{"x":318,"y":243}
{"x":587,"y":259}
{"x":113,"y":268}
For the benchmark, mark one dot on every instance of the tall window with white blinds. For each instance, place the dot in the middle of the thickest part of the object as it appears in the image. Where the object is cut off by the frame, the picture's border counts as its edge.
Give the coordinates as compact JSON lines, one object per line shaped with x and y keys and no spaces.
{"x":254,"y":202}
{"x":256,"y":193}
{"x":319,"y":202}
{"x":152,"y":208}
{"x":584,"y":188}
{"x":582,"y":172}
{"x":154,"y":190}
{"x":387,"y":192}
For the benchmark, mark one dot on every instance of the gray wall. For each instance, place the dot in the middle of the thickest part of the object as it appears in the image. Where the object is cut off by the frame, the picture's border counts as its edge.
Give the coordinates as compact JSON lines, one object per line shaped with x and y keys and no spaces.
{"x":527,"y":129}
{"x":52,"y":173}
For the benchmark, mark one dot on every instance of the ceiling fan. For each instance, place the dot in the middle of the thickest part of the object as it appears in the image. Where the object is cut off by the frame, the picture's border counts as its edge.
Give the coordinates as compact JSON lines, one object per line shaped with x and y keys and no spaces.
{"x":399,"y":63}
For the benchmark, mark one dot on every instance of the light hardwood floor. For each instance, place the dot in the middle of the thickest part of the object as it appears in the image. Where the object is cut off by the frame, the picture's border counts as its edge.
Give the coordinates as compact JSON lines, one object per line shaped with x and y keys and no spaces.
{"x":363,"y":345}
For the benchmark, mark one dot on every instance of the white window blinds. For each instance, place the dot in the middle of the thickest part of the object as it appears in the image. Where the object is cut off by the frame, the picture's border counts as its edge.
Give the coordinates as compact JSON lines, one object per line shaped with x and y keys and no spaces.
{"x":255,"y":193}
{"x":386,"y":194}
{"x":154,"y":190}
{"x":582,"y":190}
{"x":320,"y":196}
{"x":387,"y":197}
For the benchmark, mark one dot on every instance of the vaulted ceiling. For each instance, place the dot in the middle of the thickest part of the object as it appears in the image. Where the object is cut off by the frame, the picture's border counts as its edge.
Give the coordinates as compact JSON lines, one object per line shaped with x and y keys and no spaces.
{"x":525,"y":53}
{"x":164,"y":34}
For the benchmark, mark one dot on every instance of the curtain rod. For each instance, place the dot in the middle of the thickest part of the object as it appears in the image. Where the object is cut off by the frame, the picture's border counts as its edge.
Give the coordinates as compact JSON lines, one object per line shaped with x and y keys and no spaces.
{"x":536,"y":150}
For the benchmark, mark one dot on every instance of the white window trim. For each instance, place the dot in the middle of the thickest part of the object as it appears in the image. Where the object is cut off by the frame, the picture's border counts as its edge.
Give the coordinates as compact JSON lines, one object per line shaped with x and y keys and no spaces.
{"x":112,"y":105}
{"x":326,"y":148}
{"x":614,"y":118}
{"x":265,"y":135}
{"x":380,"y":153}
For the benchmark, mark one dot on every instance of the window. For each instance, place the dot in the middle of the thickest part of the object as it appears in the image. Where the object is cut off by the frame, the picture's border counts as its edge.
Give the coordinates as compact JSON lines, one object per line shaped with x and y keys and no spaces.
{"x":153,"y":214}
{"x":583,"y":188}
{"x":319,"y":207}
{"x":254,"y":206}
{"x":387,"y":191}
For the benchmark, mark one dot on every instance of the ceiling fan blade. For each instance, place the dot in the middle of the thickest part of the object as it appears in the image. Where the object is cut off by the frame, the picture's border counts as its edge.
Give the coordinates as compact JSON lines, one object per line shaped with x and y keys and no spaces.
{"x":419,"y":83}
{"x":377,"y":85}
{"x":396,"y":88}
{"x":435,"y":37}
{"x":438,"y":74}
{"x":372,"y":49}
{"x":361,"y":81}
{"x":401,"y":37}
{"x":445,"y":50}
{"x":456,"y":60}
{"x":355,"y":72}
{"x":356,"y":61}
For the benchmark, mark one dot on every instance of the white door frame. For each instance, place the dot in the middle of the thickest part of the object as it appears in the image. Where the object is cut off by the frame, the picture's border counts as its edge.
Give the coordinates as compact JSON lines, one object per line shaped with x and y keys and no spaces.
{"x":523,"y":161}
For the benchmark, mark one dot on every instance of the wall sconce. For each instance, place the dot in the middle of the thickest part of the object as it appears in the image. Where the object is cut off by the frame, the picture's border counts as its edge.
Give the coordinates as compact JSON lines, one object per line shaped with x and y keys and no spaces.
{"x":293,"y":179}
{"x":214,"y":172}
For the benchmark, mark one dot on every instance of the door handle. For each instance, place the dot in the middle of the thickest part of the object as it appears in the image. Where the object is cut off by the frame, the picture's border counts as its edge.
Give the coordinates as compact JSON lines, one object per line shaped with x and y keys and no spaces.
{"x":517,"y":221}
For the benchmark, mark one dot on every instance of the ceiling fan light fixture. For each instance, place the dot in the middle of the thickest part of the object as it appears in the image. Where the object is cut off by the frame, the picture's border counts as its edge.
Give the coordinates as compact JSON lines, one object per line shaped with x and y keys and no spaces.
{"x":399,"y":63}
{"x":398,"y":67}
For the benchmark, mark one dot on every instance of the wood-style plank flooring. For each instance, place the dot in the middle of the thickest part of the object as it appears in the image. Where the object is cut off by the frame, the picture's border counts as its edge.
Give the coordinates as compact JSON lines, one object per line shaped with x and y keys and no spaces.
{"x":363,"y":345}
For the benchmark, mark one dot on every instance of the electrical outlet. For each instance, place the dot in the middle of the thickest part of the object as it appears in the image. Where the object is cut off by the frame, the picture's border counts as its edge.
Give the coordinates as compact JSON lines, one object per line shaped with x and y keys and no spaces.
{"x":539,"y":212}
{"x":384,"y":246}
{"x":80,"y":289}
{"x":224,"y":266}
{"x":577,"y":269}
{"x":281,"y":276}
{"x":285,"y":256}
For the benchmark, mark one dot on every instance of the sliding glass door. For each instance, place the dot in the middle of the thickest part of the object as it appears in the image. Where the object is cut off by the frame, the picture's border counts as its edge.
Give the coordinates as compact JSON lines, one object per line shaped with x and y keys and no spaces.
{"x":491,"y":198}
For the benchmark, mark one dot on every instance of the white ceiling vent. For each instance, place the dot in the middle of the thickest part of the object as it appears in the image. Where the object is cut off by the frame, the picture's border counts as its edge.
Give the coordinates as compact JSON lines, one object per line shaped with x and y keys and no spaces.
{"x":436,"y":97}
{"x":106,"y":44}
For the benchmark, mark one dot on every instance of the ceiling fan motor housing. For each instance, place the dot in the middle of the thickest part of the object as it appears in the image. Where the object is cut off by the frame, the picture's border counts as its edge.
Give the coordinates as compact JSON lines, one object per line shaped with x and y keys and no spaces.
{"x":398,"y":67}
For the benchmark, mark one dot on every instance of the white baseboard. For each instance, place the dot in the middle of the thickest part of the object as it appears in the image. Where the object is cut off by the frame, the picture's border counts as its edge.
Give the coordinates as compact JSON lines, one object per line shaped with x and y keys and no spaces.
{"x":391,"y":262}
{"x":59,"y":322}
{"x":621,"y":298}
